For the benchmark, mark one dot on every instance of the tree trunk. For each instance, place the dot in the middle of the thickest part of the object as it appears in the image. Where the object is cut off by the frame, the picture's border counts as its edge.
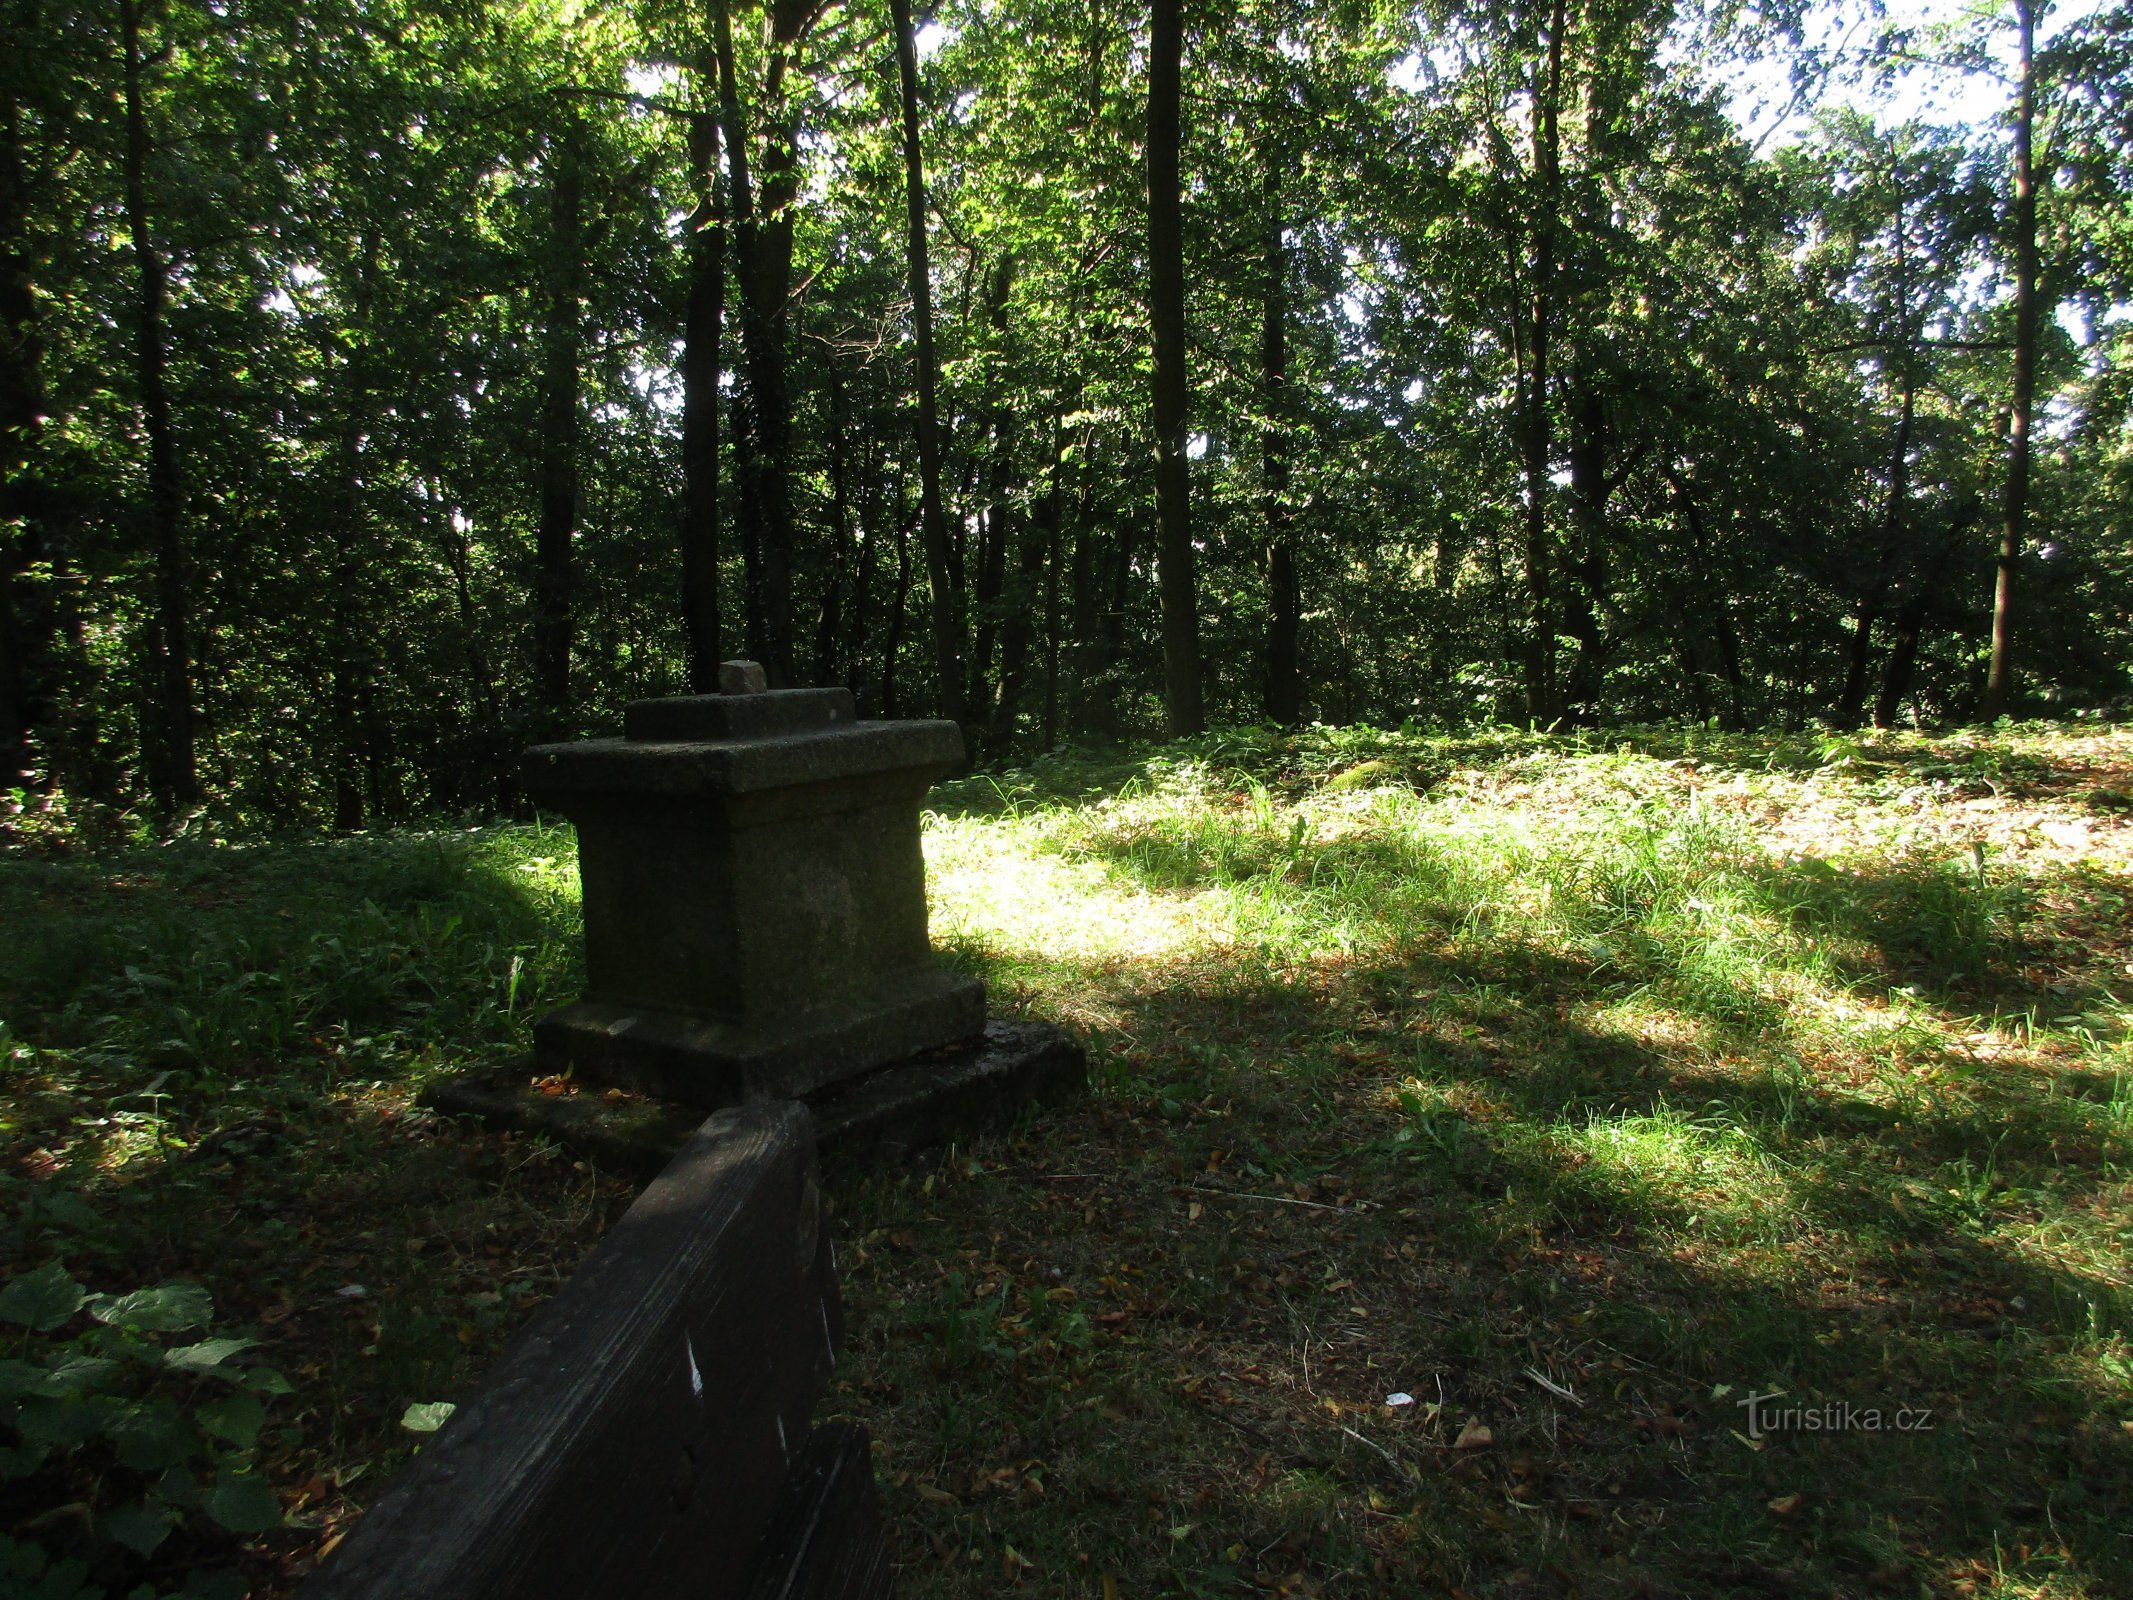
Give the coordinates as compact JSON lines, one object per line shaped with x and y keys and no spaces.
{"x":700,"y":364}
{"x":1054,"y":552}
{"x":869,"y":540}
{"x":1999,"y":678}
{"x":1895,"y":510}
{"x":1175,"y":574}
{"x":1023,"y":596}
{"x":996,"y":527}
{"x":763,"y":247}
{"x":1539,"y":443}
{"x":1283,"y":700}
{"x":829,"y":618}
{"x":1910,"y":622}
{"x":1586,"y":596}
{"x":173,"y":774}
{"x":348,"y":634}
{"x":933,"y":522}
{"x":554,"y":577}
{"x":1716,"y":602}
{"x":890,"y":707}
{"x":22,"y":402}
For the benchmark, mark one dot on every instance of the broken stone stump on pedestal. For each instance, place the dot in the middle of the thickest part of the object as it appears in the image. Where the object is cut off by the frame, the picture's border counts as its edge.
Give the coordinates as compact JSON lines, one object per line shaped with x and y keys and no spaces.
{"x":755,"y":921}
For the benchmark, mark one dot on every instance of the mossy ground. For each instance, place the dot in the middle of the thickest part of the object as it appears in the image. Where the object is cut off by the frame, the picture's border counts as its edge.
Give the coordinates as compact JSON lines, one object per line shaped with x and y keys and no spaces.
{"x":1578,"y":1088}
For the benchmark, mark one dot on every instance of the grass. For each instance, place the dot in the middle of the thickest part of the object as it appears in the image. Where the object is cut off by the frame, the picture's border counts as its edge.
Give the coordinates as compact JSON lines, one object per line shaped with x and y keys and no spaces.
{"x":1578,"y":1089}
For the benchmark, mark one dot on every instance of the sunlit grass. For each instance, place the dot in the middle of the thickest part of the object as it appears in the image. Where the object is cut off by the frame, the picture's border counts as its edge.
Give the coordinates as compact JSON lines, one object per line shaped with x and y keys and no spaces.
{"x":1810,"y":1055}
{"x":1665,"y":1066}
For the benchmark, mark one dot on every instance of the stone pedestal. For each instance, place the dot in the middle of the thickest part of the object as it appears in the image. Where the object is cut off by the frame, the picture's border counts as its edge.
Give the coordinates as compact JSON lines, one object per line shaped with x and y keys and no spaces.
{"x":755,"y":897}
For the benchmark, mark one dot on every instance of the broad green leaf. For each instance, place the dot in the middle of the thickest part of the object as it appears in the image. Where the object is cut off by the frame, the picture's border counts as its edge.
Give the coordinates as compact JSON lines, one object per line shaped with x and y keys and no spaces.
{"x":242,"y":1503}
{"x":153,"y":1435}
{"x":180,"y":1488}
{"x":167,"y":1308}
{"x":426,"y":1416}
{"x":69,"y":1210}
{"x":27,"y":1573}
{"x":207,"y":1355}
{"x":65,"y":1424}
{"x":265,"y":1380}
{"x":236,"y":1418}
{"x":43,"y":1299}
{"x":140,"y":1527}
{"x":21,"y":1463}
{"x":74,"y":1375}
{"x":18,"y":1378}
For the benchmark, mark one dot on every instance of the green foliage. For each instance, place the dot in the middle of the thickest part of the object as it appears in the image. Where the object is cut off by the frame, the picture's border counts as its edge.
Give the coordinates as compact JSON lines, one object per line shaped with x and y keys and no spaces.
{"x":146,"y":1429}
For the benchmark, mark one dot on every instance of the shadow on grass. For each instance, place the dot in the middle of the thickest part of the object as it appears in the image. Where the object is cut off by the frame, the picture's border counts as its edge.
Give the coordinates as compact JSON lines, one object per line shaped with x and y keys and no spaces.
{"x":1662,"y":1227}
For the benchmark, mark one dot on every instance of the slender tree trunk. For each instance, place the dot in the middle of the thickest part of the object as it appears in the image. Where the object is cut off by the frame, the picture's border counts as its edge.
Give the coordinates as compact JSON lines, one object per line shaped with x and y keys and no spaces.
{"x":763,"y":247}
{"x":1283,"y":700}
{"x":1586,"y":596}
{"x":1175,"y":574}
{"x":1895,"y":509}
{"x":933,"y":521}
{"x":1717,"y":604}
{"x":898,"y":605}
{"x":173,"y":774}
{"x":1023,"y":592}
{"x":347,"y":627}
{"x":1999,"y":678}
{"x":1539,"y":443}
{"x":1910,"y":622}
{"x":1895,"y":532}
{"x":700,"y":362}
{"x":1084,"y":613}
{"x":554,"y":574}
{"x":996,"y":527}
{"x":869,"y":540}
{"x":829,"y":619}
{"x":1054,"y":553}
{"x":22,"y":403}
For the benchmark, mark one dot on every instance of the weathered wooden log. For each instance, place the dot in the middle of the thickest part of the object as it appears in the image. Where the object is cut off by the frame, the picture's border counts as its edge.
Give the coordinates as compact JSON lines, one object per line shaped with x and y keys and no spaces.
{"x":825,"y":1539}
{"x":648,"y":1433}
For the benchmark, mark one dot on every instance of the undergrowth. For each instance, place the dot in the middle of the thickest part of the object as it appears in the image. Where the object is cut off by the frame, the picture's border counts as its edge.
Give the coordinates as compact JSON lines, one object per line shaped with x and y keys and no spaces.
{"x":1476,"y":1124}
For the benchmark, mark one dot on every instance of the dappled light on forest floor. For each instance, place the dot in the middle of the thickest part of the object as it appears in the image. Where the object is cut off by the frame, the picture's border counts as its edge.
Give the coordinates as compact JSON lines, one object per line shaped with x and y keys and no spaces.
{"x":1477,"y":1125}
{"x":1579,"y":1095}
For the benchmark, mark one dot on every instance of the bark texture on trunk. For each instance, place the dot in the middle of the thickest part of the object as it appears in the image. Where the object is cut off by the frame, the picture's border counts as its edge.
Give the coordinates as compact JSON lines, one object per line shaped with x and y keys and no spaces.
{"x":173,"y":773}
{"x":703,"y":322}
{"x":1999,"y":678}
{"x":932,"y":518}
{"x":1176,"y":576}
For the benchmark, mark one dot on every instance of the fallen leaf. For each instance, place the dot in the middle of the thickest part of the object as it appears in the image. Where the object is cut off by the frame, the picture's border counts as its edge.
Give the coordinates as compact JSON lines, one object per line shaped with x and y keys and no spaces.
{"x":1785,"y":1504}
{"x":1474,"y":1436}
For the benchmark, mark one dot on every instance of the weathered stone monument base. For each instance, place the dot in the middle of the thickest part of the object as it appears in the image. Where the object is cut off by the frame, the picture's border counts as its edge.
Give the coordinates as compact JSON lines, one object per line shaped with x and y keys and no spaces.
{"x":755,"y":930}
{"x":712,"y":1062}
{"x":921,"y":1103}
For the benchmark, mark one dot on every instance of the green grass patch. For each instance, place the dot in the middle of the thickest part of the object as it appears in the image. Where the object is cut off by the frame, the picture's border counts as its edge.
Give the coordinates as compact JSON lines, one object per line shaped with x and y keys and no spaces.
{"x":1576,"y":1089}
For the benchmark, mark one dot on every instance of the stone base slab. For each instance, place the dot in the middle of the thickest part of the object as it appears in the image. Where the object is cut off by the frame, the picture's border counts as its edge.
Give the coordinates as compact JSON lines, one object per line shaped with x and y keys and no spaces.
{"x":712,"y":1063}
{"x":928,"y":1100}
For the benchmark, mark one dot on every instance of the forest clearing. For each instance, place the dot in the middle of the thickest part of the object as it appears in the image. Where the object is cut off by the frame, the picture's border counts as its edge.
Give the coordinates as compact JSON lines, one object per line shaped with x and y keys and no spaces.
{"x":1576,"y":1089}
{"x":1507,"y":629}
